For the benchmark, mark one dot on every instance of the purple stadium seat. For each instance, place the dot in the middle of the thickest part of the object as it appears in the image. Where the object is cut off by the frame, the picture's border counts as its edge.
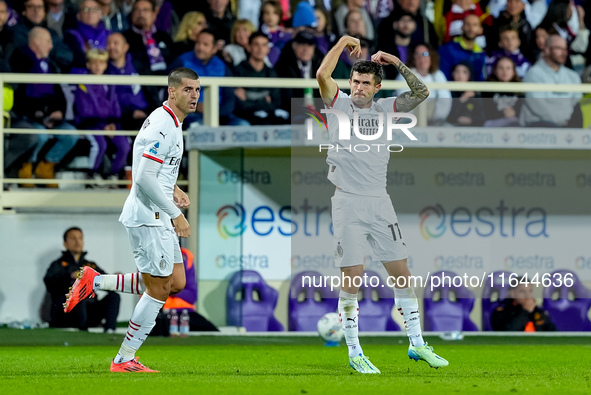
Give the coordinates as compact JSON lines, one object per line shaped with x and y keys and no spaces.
{"x":243,"y":310}
{"x":492,"y":297}
{"x":376,"y":315}
{"x":566,"y":314}
{"x":305,"y":312}
{"x":442,"y":313}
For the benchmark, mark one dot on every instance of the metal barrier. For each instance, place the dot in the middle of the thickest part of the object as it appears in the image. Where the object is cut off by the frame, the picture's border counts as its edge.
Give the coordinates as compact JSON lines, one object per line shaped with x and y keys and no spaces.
{"x":55,"y":198}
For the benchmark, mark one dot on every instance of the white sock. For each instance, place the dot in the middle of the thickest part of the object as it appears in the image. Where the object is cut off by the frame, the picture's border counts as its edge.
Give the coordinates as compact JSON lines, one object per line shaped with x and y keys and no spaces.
{"x":129,"y":283}
{"x":349,"y":315}
{"x":408,"y":307}
{"x":141,"y":323}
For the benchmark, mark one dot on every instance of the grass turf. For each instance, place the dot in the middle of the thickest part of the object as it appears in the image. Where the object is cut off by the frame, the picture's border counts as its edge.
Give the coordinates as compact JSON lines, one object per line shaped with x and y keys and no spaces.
{"x":52,"y":361}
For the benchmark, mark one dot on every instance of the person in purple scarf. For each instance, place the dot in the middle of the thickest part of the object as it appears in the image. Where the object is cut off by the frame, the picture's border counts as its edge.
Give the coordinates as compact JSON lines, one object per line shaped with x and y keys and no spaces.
{"x":131,"y":97}
{"x":90,"y":32}
{"x":96,"y":107}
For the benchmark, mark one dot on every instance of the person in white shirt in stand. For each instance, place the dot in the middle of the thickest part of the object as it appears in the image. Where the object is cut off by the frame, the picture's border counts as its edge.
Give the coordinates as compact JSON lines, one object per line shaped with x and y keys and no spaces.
{"x":362,"y":212}
{"x":153,"y":220}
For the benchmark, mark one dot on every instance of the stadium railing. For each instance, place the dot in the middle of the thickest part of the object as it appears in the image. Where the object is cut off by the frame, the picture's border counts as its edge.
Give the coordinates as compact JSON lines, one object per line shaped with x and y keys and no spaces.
{"x":19,"y":198}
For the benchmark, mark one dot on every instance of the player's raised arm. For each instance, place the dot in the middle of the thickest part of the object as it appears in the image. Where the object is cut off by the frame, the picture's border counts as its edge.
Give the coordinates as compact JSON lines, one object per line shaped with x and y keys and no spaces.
{"x":408,"y":100}
{"x":328,"y":86}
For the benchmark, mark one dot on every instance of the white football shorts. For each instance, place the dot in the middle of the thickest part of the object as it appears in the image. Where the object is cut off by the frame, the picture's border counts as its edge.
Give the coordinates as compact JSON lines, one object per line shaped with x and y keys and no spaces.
{"x":155,"y":248}
{"x":362,"y":220}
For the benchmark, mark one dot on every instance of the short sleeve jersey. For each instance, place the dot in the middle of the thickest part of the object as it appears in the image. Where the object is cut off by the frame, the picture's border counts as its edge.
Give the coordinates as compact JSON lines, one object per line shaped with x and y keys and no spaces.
{"x":160,"y":139}
{"x":359,"y":166}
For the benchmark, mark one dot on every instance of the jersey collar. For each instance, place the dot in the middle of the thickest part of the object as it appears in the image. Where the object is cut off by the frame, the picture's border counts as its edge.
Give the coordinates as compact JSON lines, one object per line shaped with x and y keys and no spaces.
{"x":172,"y":114}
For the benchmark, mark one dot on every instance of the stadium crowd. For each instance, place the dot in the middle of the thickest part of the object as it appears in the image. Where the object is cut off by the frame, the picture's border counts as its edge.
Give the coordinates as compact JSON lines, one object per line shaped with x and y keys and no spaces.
{"x":441,"y":40}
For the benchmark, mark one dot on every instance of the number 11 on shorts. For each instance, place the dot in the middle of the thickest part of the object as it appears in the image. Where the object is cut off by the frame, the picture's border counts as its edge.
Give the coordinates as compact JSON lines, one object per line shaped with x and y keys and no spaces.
{"x":393,"y":232}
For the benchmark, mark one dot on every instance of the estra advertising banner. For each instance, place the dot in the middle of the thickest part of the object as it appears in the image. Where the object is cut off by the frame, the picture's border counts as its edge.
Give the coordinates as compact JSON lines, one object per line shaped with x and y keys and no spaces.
{"x":468,"y":216}
{"x":245,"y":216}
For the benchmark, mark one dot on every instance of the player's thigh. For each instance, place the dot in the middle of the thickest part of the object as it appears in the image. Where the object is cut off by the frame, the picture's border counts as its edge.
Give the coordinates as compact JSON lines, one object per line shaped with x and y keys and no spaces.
{"x":386,"y":238}
{"x":350,"y":235}
{"x":153,"y":249}
{"x":178,"y":272}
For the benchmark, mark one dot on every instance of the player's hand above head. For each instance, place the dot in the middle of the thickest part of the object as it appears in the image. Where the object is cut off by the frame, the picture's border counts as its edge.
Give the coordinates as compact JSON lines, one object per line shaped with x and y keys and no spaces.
{"x":384,"y":58}
{"x":353,"y":44}
{"x":181,"y":226}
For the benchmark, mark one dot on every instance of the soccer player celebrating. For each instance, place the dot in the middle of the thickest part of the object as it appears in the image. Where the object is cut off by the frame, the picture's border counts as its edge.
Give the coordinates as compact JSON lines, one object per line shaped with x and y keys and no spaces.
{"x":362,"y":211}
{"x":153,"y":219}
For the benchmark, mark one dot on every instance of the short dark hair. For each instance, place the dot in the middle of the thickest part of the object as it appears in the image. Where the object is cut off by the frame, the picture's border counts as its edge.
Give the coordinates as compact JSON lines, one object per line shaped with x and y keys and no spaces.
{"x":175,"y":78}
{"x":152,"y":3}
{"x":368,"y":67}
{"x":73,"y":228}
{"x":257,"y":34}
{"x":210,"y":32}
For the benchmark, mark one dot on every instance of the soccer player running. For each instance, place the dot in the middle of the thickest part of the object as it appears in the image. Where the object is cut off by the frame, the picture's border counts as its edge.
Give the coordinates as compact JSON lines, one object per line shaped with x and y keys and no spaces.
{"x":152,"y":218}
{"x":362,"y":211}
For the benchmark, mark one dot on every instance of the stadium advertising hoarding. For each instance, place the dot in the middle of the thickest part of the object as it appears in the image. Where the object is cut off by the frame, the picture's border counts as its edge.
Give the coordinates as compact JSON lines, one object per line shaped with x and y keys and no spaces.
{"x":471,"y":216}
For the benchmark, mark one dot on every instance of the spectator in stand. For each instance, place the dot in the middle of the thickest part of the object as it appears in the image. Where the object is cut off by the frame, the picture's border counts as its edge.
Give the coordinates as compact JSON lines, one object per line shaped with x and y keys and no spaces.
{"x":112,"y":16}
{"x":379,"y":9}
{"x":34,"y":15}
{"x":61,"y":274}
{"x":550,"y":109}
{"x":424,"y":33}
{"x":89,"y":33}
{"x":354,"y":24}
{"x":557,"y":20}
{"x":235,"y":52}
{"x":191,"y":25}
{"x":126,"y":6}
{"x":501,"y":109}
{"x":323,"y":31}
{"x":353,"y":5}
{"x":204,"y":62}
{"x":150,"y":48}
{"x":403,"y":26}
{"x":520,"y":312}
{"x":250,"y":10}
{"x":467,"y":108}
{"x":541,"y":38}
{"x":41,"y":106}
{"x":271,"y":16}
{"x":514,"y":17}
{"x":424,"y":62}
{"x":6,"y":36}
{"x":259,"y":106}
{"x":464,"y":48}
{"x":454,"y":18}
{"x":347,"y":60}
{"x":509,"y":45}
{"x":299,"y":59}
{"x":97,"y":108}
{"x":131,"y":97}
{"x":167,"y":19}
{"x":61,"y":16}
{"x":304,"y":17}
{"x":220,"y":20}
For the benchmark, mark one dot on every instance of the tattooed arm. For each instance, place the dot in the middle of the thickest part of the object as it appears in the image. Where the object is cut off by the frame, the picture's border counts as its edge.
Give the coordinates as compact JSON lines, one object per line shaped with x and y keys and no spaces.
{"x":408,"y":100}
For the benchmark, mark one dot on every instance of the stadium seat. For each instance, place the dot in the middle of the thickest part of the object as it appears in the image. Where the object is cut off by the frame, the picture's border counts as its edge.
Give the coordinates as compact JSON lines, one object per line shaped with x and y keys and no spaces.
{"x":493,"y":296}
{"x":376,"y":315}
{"x":304,"y":312}
{"x":568,"y":314}
{"x":445,"y":313}
{"x":243,"y":308}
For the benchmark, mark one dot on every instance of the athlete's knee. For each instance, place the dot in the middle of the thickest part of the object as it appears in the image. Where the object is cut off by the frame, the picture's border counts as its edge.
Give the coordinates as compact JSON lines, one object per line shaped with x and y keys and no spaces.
{"x":177,"y":286}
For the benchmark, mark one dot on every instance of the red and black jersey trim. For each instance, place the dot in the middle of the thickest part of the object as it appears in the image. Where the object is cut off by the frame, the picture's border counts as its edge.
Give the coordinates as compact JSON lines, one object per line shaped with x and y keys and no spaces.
{"x":335,"y":98}
{"x":169,"y":111}
{"x":153,"y":158}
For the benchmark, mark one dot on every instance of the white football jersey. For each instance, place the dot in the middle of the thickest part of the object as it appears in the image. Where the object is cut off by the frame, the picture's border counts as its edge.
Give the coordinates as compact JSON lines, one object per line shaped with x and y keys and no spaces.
{"x":160,"y":139}
{"x":359,"y":166}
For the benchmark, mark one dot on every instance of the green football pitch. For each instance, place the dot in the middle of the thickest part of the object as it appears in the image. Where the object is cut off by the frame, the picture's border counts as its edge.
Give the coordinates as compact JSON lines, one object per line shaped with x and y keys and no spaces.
{"x":47,"y":361}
